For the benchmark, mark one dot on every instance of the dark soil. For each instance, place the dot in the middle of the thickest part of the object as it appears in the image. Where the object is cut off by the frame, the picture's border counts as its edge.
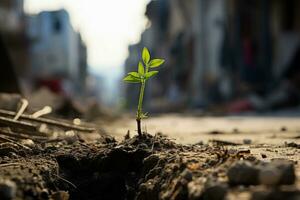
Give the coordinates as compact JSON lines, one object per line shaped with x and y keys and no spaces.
{"x":148,"y":167}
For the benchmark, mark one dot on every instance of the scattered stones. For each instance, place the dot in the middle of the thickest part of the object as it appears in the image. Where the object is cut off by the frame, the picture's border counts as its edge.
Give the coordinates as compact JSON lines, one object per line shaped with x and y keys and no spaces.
{"x":8,"y":189}
{"x":271,"y":174}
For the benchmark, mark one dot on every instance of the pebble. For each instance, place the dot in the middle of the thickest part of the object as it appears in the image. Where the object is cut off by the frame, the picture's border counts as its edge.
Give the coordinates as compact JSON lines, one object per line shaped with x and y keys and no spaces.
{"x":27,"y":142}
{"x":247,"y":141}
{"x":292,"y":144}
{"x":287,"y":171}
{"x":269,"y":175}
{"x":215,"y":192}
{"x":243,"y":173}
{"x":263,"y":155}
{"x":283,"y":129}
{"x":8,"y":189}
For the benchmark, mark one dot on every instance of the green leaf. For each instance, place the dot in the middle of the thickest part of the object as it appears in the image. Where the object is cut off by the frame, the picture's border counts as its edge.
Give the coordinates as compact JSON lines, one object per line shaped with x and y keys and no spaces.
{"x":134,"y":74}
{"x":144,"y":115}
{"x":150,"y":74}
{"x":131,"y":79}
{"x":156,"y":62}
{"x":141,"y":69}
{"x":146,"y":56}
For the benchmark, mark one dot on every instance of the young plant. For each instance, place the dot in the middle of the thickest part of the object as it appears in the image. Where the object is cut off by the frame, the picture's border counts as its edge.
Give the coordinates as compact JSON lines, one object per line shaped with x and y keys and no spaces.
{"x":141,"y":77}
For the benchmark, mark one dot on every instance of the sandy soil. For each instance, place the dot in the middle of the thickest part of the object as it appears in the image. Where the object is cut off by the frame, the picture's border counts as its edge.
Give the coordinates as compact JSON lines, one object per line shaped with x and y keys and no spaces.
{"x":189,"y":129}
{"x":184,"y":157}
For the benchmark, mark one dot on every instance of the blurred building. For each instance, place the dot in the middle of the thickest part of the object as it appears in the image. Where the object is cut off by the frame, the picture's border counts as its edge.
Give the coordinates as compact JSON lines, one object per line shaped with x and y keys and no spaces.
{"x":14,"y":45}
{"x":215,"y":50}
{"x":57,"y":53}
{"x":11,"y":16}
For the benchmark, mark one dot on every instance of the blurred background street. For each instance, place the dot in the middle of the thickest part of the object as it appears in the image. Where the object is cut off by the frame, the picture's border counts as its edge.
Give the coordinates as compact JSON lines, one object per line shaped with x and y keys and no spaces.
{"x":222,"y":57}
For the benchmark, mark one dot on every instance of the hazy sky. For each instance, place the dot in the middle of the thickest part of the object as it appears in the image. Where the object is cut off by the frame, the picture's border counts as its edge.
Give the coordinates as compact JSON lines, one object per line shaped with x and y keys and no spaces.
{"x":107,"y":26}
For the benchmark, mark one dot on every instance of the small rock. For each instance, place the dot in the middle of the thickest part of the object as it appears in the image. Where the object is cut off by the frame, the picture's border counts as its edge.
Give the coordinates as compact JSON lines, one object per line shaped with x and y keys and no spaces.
{"x":287,"y":171}
{"x":283,"y":129}
{"x":243,"y":173}
{"x":292,"y":144}
{"x":247,"y":141}
{"x":216,"y":132}
{"x":280,"y":172}
{"x":27,"y":142}
{"x":214,"y":192}
{"x":8,"y":189}
{"x":269,"y":176}
{"x":263,"y":155}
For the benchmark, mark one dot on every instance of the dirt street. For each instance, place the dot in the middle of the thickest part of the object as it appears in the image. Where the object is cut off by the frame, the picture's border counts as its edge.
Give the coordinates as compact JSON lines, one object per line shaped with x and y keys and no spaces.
{"x":183,"y":157}
{"x":190,"y":129}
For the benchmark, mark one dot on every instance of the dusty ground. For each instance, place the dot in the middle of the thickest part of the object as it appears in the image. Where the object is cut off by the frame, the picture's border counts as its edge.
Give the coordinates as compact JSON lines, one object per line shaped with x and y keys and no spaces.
{"x":267,"y":138}
{"x":185,"y":157}
{"x":190,"y":129}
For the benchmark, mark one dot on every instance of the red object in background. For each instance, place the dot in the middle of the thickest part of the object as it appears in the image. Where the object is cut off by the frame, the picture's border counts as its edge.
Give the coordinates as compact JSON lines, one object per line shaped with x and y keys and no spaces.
{"x":54,"y":85}
{"x":240,"y":106}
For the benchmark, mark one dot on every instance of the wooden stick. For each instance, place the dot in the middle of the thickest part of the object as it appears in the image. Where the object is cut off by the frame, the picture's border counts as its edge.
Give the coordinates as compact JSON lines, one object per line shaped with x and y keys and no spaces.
{"x":49,"y":121}
{"x":14,"y":142}
{"x":24,"y":104}
{"x":12,"y":134}
{"x":18,"y":124}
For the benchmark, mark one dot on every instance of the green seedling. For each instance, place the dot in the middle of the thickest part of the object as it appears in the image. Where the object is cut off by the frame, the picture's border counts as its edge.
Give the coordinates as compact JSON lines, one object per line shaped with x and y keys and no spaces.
{"x":141,"y":76}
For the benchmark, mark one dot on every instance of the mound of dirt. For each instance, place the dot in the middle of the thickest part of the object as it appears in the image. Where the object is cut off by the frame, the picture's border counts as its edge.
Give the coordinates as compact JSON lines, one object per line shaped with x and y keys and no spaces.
{"x":148,"y":167}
